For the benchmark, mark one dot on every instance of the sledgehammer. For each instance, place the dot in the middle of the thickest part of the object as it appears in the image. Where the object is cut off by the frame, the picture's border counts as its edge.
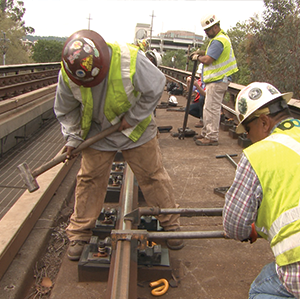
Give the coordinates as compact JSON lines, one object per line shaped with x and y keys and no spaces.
{"x":29,"y":178}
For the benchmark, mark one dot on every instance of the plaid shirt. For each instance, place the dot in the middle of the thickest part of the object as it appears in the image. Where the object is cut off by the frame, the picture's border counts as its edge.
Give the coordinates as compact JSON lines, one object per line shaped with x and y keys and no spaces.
{"x":241,"y":204}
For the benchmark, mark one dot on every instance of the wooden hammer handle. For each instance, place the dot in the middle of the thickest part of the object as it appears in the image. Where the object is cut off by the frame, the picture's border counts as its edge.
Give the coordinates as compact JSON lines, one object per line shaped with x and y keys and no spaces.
{"x":62,"y":157}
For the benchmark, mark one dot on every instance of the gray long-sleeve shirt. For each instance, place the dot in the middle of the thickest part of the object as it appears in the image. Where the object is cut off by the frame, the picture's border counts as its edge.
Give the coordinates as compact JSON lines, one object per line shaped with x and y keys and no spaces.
{"x":148,"y":80}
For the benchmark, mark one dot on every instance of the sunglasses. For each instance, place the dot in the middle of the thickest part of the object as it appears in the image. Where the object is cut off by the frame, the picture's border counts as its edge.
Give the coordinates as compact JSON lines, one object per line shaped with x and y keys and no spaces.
{"x":245,"y":125}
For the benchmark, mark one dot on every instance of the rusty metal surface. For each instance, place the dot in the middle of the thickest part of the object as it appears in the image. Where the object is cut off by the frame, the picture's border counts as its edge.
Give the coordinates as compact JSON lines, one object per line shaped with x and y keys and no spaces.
{"x":9,"y":91}
{"x":123,"y":268}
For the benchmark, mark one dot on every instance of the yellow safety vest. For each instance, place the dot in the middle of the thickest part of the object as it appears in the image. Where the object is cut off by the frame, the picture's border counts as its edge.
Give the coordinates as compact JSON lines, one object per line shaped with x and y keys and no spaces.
{"x":120,"y":94}
{"x":225,"y":65}
{"x":276,"y":161}
{"x":84,"y":96}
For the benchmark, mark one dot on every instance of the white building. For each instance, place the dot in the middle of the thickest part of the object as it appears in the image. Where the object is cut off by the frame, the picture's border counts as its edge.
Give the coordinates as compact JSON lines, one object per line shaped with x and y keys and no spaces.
{"x":170,"y":40}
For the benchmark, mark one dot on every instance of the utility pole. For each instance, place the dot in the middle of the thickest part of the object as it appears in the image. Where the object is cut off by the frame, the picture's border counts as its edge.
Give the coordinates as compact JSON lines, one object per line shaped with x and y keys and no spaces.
{"x":89,"y":21}
{"x":151,"y":30}
{"x":4,"y":46}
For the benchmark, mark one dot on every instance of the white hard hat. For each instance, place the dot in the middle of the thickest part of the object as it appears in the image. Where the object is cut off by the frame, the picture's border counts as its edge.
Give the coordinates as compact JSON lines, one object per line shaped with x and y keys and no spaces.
{"x":152,"y":57}
{"x":209,"y":20}
{"x":158,"y":56}
{"x":253,"y":97}
{"x":173,"y":101}
{"x":200,"y":69}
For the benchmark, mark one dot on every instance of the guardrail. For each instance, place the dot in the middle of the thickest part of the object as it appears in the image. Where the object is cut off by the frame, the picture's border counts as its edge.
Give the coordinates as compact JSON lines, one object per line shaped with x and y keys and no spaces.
{"x":180,"y":76}
{"x":17,"y":68}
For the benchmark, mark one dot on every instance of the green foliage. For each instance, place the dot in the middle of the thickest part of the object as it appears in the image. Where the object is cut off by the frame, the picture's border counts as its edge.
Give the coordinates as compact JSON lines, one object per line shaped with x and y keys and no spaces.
{"x":12,"y":31}
{"x":274,"y":48}
{"x":238,"y":36}
{"x":176,"y":59}
{"x":15,"y":11}
{"x":37,"y":37}
{"x":10,"y":42}
{"x":47,"y":51}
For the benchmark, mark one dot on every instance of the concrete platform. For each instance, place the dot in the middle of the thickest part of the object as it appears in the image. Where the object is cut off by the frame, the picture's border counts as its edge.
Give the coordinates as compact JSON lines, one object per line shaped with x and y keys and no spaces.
{"x":208,"y":268}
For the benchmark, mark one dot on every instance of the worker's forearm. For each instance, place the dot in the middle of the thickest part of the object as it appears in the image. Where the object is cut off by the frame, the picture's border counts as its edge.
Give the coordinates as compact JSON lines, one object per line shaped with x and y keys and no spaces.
{"x":199,"y":88}
{"x":205,"y":59}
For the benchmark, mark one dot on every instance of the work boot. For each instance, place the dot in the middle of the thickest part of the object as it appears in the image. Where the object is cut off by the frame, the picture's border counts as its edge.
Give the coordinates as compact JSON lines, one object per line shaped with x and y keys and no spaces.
{"x":175,"y":244}
{"x":199,"y":124}
{"x":206,"y":142}
{"x":75,"y":249}
{"x":195,"y":138}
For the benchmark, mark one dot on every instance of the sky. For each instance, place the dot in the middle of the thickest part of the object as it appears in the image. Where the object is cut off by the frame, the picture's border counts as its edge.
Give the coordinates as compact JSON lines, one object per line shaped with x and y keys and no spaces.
{"x":115,"y":20}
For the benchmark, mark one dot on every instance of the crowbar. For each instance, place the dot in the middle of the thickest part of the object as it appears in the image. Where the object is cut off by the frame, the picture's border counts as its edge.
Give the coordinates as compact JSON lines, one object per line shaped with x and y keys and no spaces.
{"x":182,"y":132}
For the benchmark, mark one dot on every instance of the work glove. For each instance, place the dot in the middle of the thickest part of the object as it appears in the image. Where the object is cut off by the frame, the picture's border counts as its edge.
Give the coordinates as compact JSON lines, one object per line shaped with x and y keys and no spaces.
{"x":194,"y":55}
{"x":253,"y":235}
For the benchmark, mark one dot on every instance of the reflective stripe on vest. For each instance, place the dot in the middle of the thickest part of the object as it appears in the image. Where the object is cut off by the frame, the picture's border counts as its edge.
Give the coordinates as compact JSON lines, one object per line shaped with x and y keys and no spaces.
{"x":225,"y":65}
{"x":288,"y":244}
{"x":84,"y":96}
{"x":276,"y":161}
{"x":121,"y":94}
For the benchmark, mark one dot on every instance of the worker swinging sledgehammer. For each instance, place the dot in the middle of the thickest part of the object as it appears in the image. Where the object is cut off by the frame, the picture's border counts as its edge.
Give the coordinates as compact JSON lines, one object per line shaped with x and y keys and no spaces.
{"x":93,"y":93}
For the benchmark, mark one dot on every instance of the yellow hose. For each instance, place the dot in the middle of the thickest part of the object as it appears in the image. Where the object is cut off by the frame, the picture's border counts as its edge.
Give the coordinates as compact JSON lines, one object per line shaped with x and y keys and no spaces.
{"x":161,"y":290}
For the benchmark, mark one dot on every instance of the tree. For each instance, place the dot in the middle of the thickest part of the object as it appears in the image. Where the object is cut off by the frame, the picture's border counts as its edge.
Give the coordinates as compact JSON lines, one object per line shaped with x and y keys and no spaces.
{"x":12,"y":31}
{"x":47,"y":51}
{"x":15,"y":12}
{"x":274,"y":48}
{"x":176,"y":59}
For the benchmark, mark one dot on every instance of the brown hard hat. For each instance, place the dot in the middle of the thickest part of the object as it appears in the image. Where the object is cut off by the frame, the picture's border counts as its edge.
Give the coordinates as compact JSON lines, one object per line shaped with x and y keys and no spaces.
{"x":86,"y":58}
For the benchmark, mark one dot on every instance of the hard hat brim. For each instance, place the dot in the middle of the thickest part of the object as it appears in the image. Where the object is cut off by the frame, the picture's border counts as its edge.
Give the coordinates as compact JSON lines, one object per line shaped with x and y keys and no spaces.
{"x":240,"y":127}
{"x":211,"y":25}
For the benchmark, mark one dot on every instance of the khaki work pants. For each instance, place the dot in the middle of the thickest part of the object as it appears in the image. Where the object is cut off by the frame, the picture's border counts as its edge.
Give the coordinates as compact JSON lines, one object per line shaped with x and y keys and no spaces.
{"x":92,"y":181}
{"x":212,"y":109}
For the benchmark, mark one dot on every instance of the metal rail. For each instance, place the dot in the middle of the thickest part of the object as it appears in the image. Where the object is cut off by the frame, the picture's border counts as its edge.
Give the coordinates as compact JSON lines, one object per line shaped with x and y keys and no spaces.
{"x":31,"y":67}
{"x":123,"y":268}
{"x":12,"y":90}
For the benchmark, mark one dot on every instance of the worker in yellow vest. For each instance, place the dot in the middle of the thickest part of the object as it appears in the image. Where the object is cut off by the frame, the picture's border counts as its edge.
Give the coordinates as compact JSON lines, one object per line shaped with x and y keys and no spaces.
{"x":219,"y":66}
{"x":101,"y":84}
{"x":265,"y":195}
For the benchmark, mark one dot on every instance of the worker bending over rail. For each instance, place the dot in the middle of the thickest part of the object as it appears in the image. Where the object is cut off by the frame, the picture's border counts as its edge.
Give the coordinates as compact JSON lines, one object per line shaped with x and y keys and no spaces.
{"x":101,"y":84}
{"x":265,"y":194}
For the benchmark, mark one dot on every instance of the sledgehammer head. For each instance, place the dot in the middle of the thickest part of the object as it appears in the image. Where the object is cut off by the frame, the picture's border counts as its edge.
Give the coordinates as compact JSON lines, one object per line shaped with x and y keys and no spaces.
{"x":27,"y":177}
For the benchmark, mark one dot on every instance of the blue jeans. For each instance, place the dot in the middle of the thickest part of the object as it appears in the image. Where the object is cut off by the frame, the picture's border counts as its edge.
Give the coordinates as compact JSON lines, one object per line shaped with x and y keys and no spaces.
{"x":196,"y":109}
{"x":267,"y":285}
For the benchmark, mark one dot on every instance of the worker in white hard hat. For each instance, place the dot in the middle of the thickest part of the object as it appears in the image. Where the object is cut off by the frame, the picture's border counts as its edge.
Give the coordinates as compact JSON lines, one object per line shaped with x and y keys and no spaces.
{"x":264,"y":197}
{"x":219,"y":66}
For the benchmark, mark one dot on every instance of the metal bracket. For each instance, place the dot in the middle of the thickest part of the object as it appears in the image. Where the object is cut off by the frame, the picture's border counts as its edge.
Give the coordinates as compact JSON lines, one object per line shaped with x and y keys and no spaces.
{"x":129,"y":235}
{"x":135,"y":215}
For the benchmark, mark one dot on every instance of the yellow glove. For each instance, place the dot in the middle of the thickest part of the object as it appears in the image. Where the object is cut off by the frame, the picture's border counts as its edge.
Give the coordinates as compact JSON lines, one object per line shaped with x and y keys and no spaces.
{"x":194,"y":55}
